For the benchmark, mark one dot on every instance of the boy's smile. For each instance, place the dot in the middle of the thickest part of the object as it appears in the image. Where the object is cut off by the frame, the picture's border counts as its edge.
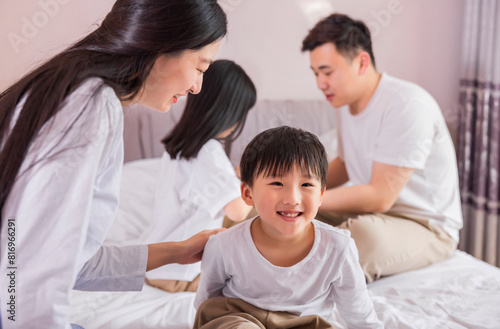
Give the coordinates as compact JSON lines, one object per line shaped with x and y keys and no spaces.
{"x":290,"y":215}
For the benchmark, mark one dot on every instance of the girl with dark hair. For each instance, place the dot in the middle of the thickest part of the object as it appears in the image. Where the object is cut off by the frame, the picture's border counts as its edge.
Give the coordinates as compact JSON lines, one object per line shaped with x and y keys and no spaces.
{"x":196,"y":184}
{"x":61,"y":153}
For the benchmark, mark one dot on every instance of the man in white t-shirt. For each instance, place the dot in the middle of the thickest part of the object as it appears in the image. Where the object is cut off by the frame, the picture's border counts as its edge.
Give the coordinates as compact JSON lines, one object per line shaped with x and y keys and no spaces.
{"x":402,"y":206}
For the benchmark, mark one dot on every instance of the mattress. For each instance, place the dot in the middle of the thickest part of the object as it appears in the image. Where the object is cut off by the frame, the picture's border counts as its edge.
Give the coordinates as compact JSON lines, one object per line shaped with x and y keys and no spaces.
{"x":460,"y":292}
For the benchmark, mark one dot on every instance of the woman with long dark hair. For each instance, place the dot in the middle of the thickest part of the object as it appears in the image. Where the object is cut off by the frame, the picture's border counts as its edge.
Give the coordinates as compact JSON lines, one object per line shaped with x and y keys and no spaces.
{"x":61,"y":154}
{"x":196,"y":183}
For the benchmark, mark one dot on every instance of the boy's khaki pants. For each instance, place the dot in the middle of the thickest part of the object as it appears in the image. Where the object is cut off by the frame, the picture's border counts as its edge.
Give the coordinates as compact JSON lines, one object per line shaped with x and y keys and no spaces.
{"x":390,"y":244}
{"x":225,"y":313}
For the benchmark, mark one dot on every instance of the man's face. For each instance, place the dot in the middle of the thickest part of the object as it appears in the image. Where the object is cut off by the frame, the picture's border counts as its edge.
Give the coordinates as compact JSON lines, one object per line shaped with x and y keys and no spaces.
{"x":336,"y":76}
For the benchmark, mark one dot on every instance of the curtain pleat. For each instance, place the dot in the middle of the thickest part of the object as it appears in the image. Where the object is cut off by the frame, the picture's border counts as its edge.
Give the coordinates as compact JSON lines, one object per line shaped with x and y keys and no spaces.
{"x":479,"y":140}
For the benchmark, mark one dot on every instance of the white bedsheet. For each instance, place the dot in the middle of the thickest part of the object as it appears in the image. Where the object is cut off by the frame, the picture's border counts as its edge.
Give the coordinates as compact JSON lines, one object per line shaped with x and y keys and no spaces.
{"x":461,"y":292}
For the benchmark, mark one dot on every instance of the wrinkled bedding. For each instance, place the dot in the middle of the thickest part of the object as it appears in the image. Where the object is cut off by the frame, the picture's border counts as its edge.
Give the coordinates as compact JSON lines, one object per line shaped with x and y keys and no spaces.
{"x":461,"y":292}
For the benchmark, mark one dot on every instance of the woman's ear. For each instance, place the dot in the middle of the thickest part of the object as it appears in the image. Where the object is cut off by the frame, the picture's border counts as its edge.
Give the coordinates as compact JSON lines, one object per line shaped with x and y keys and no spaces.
{"x":246,"y":194}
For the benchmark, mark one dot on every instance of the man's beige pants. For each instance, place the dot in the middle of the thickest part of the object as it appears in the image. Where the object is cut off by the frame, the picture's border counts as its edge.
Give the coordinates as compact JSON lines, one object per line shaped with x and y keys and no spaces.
{"x":225,"y":313}
{"x":390,"y":244}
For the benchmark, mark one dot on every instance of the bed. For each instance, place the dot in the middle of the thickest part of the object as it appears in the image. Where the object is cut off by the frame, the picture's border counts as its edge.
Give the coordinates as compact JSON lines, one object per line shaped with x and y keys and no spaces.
{"x":460,"y":292}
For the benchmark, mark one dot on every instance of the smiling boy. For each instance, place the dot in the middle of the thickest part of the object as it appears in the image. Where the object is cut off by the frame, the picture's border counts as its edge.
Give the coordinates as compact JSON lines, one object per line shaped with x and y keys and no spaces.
{"x":282,"y":266}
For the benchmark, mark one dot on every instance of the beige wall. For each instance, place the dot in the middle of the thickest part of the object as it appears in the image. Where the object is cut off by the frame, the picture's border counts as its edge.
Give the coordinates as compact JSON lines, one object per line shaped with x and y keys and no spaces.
{"x":33,"y":30}
{"x":416,"y":40}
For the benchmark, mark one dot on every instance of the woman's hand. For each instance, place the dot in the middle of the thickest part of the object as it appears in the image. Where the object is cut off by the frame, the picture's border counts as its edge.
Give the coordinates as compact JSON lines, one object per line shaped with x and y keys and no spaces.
{"x":182,"y":252}
{"x":192,"y":248}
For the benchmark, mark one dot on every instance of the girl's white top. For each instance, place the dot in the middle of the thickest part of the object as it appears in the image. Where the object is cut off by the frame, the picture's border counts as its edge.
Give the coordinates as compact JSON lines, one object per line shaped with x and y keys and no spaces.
{"x":165,"y":199}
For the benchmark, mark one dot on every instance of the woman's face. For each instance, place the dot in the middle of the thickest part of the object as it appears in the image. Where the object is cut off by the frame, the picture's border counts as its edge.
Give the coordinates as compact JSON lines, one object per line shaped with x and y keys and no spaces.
{"x":175,"y":76}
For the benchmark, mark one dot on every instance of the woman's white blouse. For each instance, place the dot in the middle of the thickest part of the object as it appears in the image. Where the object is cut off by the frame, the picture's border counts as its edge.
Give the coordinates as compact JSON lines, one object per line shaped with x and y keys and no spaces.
{"x":62,"y":206}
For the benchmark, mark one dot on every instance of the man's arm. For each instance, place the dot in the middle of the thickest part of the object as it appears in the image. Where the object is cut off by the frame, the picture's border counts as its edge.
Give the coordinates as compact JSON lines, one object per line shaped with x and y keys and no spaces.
{"x":377,"y":196}
{"x":337,"y":173}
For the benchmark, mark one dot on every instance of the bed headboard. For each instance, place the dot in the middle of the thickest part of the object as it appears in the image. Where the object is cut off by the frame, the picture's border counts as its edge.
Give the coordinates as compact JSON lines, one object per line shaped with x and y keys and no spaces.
{"x":144,"y":128}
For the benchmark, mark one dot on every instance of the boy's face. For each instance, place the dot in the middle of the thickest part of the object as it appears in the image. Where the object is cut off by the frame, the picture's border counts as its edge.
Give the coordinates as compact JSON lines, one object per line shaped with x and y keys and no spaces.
{"x":286,"y":205}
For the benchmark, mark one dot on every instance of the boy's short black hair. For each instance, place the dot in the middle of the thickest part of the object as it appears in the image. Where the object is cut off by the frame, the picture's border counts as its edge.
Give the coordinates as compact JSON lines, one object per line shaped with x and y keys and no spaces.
{"x":348,"y":35}
{"x":275,"y":151}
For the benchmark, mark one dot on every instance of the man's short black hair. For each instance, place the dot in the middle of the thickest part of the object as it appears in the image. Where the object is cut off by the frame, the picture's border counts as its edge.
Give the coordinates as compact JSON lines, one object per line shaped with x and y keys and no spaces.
{"x":348,"y":35}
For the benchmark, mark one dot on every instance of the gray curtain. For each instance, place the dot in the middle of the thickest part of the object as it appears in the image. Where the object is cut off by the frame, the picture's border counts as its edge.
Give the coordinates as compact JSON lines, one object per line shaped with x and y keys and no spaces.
{"x":479,"y":147}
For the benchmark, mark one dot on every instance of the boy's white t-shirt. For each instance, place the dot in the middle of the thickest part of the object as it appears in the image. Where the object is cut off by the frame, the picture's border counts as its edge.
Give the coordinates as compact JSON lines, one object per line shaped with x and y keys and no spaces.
{"x":403,"y":126}
{"x":329,"y":275}
{"x":190,"y":197}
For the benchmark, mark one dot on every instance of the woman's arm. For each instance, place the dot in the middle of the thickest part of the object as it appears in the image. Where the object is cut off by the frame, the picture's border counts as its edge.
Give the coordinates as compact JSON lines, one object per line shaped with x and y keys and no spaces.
{"x":181,"y":252}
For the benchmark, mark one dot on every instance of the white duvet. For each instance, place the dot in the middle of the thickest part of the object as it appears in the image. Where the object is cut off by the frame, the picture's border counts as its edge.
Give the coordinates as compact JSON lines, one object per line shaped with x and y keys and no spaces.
{"x":461,"y":292}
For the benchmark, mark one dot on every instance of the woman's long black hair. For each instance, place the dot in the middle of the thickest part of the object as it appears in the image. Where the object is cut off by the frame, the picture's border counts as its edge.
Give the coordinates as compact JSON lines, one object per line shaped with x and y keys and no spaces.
{"x":121,"y":52}
{"x":224,"y":101}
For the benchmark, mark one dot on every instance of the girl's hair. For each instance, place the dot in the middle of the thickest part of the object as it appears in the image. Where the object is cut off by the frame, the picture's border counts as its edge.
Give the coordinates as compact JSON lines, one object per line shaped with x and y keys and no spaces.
{"x":121,"y":52}
{"x":348,"y":35}
{"x":224,"y":101}
{"x":274,"y":152}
